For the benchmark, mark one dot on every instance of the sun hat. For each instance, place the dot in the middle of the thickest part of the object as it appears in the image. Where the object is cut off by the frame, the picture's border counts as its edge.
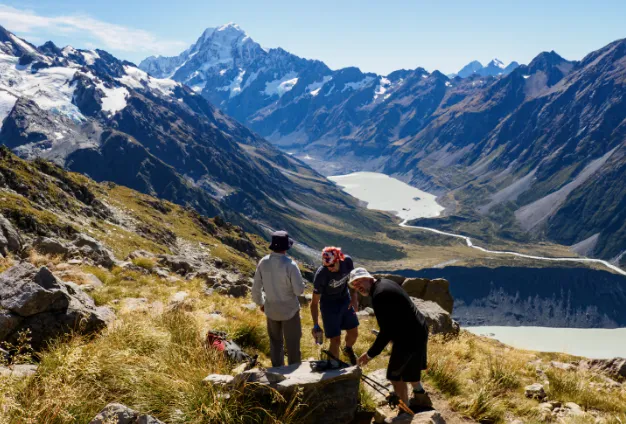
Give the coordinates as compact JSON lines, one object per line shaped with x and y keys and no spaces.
{"x":358,"y":273}
{"x":281,"y":241}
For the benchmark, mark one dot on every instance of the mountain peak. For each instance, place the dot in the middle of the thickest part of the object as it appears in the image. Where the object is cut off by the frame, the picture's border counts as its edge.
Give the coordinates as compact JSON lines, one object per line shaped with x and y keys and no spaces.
{"x":497,"y":63}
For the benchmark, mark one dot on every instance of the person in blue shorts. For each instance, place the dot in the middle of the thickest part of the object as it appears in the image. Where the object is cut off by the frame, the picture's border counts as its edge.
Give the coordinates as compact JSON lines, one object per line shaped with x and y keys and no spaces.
{"x":336,"y":301}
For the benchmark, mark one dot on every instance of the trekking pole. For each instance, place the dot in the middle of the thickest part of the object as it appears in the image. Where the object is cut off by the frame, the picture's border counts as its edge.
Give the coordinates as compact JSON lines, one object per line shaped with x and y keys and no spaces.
{"x":391,"y":397}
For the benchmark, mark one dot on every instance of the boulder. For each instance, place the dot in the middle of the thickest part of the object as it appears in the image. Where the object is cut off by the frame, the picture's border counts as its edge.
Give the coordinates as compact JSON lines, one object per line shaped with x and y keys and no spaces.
{"x":91,"y":248}
{"x":177,"y":264}
{"x":140,"y":254}
{"x":615,"y":367}
{"x":232,"y":290}
{"x":437,"y":290}
{"x":535,"y":391}
{"x":116,"y":413}
{"x":439,"y":321}
{"x":335,"y":393}
{"x":10,"y":239}
{"x":395,"y":278}
{"x":50,"y":246}
{"x":430,"y":417}
{"x":305,"y":299}
{"x":20,"y":371}
{"x":36,"y":300}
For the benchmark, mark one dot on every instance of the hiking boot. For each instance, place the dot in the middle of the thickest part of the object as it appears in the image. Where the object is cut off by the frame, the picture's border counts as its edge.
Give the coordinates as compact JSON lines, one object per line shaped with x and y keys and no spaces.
{"x":349,"y":352}
{"x":420,"y":401}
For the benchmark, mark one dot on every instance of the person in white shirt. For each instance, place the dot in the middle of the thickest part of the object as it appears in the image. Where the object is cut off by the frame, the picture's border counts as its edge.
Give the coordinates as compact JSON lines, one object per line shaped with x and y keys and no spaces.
{"x":277,"y":285}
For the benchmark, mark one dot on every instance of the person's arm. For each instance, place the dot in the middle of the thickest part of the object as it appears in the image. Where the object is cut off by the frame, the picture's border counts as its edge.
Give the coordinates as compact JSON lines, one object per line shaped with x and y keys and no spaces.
{"x":354,"y":296}
{"x":384,"y":315}
{"x":297,"y":283}
{"x":315,"y":309}
{"x":257,"y":287}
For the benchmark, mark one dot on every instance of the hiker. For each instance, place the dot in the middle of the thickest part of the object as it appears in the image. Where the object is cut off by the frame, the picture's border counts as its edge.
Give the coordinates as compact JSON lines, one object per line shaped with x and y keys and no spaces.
{"x":337,"y":303}
{"x":277,"y":285}
{"x":401,"y":323}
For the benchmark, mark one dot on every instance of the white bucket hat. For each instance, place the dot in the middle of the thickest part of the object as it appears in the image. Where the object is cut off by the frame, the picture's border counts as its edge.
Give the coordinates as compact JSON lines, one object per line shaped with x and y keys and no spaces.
{"x":358,"y":273}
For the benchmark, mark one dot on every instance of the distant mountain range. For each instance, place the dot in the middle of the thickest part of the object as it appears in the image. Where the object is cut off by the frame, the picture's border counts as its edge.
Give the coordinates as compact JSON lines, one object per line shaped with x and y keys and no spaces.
{"x":494,"y":68}
{"x":94,"y":114}
{"x":538,"y":150}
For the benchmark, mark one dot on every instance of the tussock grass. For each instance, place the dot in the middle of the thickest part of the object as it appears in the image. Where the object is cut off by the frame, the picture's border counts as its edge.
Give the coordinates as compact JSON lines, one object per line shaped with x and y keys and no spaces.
{"x":569,"y":386}
{"x":145,"y":263}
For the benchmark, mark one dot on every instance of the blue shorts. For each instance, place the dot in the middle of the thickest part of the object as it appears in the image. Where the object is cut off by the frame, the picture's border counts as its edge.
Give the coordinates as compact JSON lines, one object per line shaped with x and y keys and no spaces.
{"x":336,"y":317}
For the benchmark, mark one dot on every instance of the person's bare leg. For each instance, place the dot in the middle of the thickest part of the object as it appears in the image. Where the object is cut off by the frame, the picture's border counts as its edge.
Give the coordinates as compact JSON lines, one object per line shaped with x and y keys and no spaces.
{"x":417,"y":385}
{"x":401,"y":390}
{"x":335,"y":342}
{"x":351,"y":336}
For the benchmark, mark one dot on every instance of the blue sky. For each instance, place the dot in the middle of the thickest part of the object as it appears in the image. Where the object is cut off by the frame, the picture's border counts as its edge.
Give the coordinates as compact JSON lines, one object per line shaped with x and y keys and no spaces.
{"x":373,"y":35}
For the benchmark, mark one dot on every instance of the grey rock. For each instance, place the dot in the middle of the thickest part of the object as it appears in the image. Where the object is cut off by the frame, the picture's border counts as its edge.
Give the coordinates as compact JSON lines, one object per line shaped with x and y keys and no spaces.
{"x":615,"y":367}
{"x":218,"y":380}
{"x":232,"y":290}
{"x":178,"y":264}
{"x":430,"y":417}
{"x":250,"y":306}
{"x":26,"y":291}
{"x":395,"y":278}
{"x":20,"y":371}
{"x":437,"y":290}
{"x":335,"y":393}
{"x":10,"y":239}
{"x":535,"y":391}
{"x":38,"y":301}
{"x":562,"y":366}
{"x":116,"y":413}
{"x":50,"y":246}
{"x":140,"y":254}
{"x":91,"y":248}
{"x":439,"y":321}
{"x":93,"y":281}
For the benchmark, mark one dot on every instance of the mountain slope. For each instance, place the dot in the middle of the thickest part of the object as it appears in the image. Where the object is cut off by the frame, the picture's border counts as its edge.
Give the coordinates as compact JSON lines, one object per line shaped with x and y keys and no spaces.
{"x":92,"y":113}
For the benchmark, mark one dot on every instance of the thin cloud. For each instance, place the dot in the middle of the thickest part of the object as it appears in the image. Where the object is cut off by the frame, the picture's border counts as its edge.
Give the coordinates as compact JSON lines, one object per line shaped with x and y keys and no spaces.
{"x":109,"y":36}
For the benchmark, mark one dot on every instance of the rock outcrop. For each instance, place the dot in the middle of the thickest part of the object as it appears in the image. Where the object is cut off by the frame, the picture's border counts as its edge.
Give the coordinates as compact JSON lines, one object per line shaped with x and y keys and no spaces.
{"x":615,"y":367}
{"x":436,"y":290}
{"x":116,"y":413}
{"x":439,"y":321}
{"x":83,"y":246}
{"x":35,"y":300}
{"x":334,"y":393}
{"x":10,"y":239}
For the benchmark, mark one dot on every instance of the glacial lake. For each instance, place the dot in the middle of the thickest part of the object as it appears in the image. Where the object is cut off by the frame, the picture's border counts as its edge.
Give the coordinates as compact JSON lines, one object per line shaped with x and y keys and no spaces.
{"x":386,"y":193}
{"x":588,"y":342}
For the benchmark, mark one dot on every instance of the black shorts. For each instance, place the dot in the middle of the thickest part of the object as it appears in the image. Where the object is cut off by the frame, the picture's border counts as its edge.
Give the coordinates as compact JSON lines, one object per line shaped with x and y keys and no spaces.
{"x":404,"y":366}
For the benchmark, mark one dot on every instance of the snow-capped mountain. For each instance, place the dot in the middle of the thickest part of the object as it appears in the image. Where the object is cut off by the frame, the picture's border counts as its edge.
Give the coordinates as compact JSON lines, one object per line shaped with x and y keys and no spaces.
{"x":94,"y":114}
{"x":494,"y":68}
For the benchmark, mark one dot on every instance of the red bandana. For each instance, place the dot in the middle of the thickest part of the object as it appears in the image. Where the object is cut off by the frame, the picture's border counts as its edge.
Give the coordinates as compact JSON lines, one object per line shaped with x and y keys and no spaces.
{"x":330,"y":255}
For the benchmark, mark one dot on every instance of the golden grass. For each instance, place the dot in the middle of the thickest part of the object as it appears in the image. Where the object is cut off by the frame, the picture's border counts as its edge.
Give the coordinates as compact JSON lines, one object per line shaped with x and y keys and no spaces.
{"x":152,"y":359}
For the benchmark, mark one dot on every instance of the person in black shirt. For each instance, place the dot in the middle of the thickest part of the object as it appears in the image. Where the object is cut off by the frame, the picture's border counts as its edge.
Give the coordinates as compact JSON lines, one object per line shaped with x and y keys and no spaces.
{"x":338,"y":307}
{"x":402,"y":324}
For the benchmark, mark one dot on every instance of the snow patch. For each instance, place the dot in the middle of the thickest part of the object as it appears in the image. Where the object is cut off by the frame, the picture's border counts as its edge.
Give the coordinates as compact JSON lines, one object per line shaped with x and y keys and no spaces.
{"x":365,"y":82}
{"x":7,"y":101}
{"x":23,"y":44}
{"x":314,"y":88}
{"x":526,"y":76}
{"x":448,"y":84}
{"x":281,"y":86}
{"x":90,"y":56}
{"x":235,"y":85}
{"x":115,"y":98}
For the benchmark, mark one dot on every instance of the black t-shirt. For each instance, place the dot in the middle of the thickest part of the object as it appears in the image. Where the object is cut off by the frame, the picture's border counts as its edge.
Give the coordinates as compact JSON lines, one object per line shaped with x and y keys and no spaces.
{"x":333,"y":286}
{"x":399,"y":319}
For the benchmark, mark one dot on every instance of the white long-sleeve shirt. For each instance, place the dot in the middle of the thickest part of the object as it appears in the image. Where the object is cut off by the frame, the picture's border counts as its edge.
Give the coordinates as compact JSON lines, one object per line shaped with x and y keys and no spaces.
{"x":277,"y":285}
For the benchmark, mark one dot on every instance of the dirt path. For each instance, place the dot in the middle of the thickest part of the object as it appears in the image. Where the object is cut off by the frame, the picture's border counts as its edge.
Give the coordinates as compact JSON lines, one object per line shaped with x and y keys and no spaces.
{"x":444,"y":408}
{"x":440,"y":404}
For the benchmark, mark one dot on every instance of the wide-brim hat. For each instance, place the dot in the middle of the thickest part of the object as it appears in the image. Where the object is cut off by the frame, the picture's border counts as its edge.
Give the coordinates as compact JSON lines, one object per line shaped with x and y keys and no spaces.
{"x":358,"y":273}
{"x":281,"y":241}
